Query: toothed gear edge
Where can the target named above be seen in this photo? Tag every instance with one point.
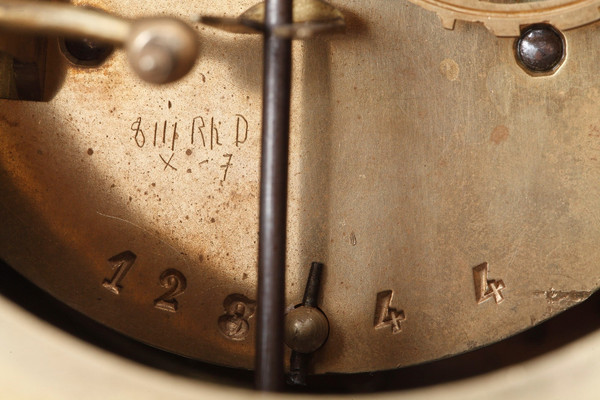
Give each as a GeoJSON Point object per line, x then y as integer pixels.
{"type": "Point", "coordinates": [507, 19]}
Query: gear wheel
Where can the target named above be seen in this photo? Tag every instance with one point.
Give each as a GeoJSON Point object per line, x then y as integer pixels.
{"type": "Point", "coordinates": [504, 19]}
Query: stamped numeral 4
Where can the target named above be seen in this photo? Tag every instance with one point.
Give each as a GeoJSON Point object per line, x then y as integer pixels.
{"type": "Point", "coordinates": [385, 315]}
{"type": "Point", "coordinates": [486, 288]}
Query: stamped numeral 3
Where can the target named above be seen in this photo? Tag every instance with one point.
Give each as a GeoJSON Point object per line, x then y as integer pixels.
{"type": "Point", "coordinates": [234, 323]}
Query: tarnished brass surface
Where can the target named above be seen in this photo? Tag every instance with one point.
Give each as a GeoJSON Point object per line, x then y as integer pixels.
{"type": "Point", "coordinates": [452, 197]}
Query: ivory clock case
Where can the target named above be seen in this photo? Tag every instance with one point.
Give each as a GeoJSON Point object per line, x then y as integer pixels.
{"type": "Point", "coordinates": [46, 363]}
{"type": "Point", "coordinates": [428, 170]}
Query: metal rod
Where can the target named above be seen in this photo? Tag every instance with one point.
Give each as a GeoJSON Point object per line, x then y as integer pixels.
{"type": "Point", "coordinates": [299, 363]}
{"type": "Point", "coordinates": [311, 292]}
{"type": "Point", "coordinates": [273, 199]}
{"type": "Point", "coordinates": [63, 19]}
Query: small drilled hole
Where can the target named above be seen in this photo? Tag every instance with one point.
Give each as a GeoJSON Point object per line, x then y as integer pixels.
{"type": "Point", "coordinates": [85, 52]}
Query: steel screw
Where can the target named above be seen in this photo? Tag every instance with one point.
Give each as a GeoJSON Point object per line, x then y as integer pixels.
{"type": "Point", "coordinates": [540, 49]}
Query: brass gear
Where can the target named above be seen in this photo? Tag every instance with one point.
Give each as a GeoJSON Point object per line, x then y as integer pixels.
{"type": "Point", "coordinates": [504, 19]}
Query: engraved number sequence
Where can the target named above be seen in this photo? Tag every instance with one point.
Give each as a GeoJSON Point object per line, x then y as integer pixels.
{"type": "Point", "coordinates": [171, 279]}
{"type": "Point", "coordinates": [238, 308]}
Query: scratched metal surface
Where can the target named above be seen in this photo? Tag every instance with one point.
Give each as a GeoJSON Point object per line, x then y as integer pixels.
{"type": "Point", "coordinates": [417, 154]}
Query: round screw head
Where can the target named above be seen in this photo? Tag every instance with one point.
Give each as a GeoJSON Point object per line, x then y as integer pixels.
{"type": "Point", "coordinates": [540, 49]}
{"type": "Point", "coordinates": [306, 329]}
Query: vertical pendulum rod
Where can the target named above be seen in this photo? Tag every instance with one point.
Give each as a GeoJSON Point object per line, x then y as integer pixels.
{"type": "Point", "coordinates": [273, 199]}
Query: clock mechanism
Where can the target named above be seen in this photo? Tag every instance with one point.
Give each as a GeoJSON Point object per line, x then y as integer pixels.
{"type": "Point", "coordinates": [305, 189]}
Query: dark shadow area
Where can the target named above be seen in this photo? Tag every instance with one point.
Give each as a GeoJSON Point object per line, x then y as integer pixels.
{"type": "Point", "coordinates": [546, 337]}
{"type": "Point", "coordinates": [31, 67]}
{"type": "Point", "coordinates": [33, 299]}
{"type": "Point", "coordinates": [550, 335]}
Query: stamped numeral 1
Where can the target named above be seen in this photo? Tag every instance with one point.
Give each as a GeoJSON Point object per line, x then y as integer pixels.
{"type": "Point", "coordinates": [486, 288]}
{"type": "Point", "coordinates": [121, 263]}
{"type": "Point", "coordinates": [385, 315]}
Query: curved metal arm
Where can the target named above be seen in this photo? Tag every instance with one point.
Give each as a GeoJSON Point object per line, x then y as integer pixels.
{"type": "Point", "coordinates": [65, 20]}
{"type": "Point", "coordinates": [160, 50]}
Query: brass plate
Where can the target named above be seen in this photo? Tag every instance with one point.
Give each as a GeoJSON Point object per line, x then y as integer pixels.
{"type": "Point", "coordinates": [421, 160]}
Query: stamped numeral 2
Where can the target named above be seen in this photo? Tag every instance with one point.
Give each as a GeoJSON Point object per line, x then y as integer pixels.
{"type": "Point", "coordinates": [176, 283]}
{"type": "Point", "coordinates": [385, 315]}
{"type": "Point", "coordinates": [121, 263]}
{"type": "Point", "coordinates": [486, 288]}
